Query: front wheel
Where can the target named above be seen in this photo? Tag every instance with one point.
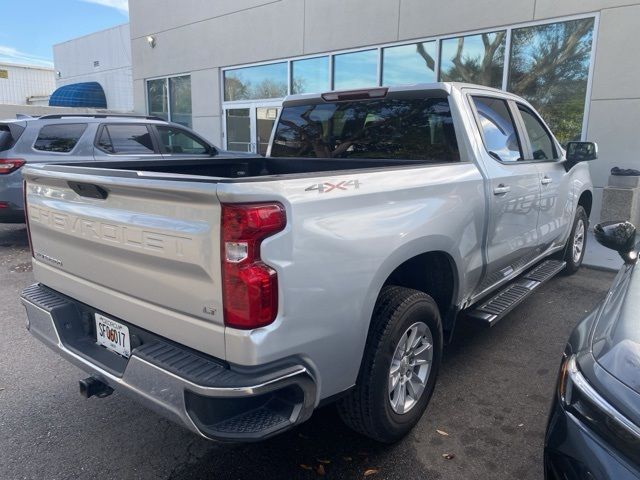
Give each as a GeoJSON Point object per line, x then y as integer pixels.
{"type": "Point", "coordinates": [577, 242]}
{"type": "Point", "coordinates": [399, 368]}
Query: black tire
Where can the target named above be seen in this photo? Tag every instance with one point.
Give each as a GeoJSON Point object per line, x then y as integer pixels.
{"type": "Point", "coordinates": [574, 264]}
{"type": "Point", "coordinates": [367, 409]}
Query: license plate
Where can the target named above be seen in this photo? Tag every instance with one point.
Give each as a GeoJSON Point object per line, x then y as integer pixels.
{"type": "Point", "coordinates": [112, 335]}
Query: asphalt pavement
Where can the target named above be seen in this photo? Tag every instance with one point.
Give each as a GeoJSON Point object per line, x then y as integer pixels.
{"type": "Point", "coordinates": [488, 413]}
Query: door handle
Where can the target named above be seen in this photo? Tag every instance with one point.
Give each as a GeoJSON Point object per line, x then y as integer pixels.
{"type": "Point", "coordinates": [546, 180]}
{"type": "Point", "coordinates": [501, 189]}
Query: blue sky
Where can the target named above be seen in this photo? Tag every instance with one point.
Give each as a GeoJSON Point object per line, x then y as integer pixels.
{"type": "Point", "coordinates": [30, 28]}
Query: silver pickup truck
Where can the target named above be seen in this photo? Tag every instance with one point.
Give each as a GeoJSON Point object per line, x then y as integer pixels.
{"type": "Point", "coordinates": [235, 296]}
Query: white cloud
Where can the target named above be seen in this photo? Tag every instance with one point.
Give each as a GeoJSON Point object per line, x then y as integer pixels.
{"type": "Point", "coordinates": [121, 5]}
{"type": "Point", "coordinates": [13, 55]}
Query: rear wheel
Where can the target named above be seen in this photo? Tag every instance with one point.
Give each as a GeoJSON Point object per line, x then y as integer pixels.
{"type": "Point", "coordinates": [577, 242]}
{"type": "Point", "coordinates": [399, 367]}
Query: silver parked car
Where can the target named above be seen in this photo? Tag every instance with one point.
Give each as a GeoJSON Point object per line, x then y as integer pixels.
{"type": "Point", "coordinates": [74, 137]}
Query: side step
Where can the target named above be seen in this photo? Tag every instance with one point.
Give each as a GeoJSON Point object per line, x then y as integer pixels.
{"type": "Point", "coordinates": [506, 299]}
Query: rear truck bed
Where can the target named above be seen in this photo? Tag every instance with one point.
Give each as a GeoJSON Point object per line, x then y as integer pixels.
{"type": "Point", "coordinates": [142, 248]}
{"type": "Point", "coordinates": [140, 259]}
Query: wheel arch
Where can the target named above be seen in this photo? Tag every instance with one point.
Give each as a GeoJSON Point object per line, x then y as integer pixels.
{"type": "Point", "coordinates": [431, 272]}
{"type": "Point", "coordinates": [434, 271]}
{"type": "Point", "coordinates": [586, 201]}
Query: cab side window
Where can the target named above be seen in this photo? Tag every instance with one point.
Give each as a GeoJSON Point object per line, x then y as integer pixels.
{"type": "Point", "coordinates": [541, 142]}
{"type": "Point", "coordinates": [176, 141]}
{"type": "Point", "coordinates": [498, 129]}
{"type": "Point", "coordinates": [125, 140]}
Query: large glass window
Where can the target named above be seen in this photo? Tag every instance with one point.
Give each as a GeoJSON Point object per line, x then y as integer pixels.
{"type": "Point", "coordinates": [409, 64]}
{"type": "Point", "coordinates": [549, 66]}
{"type": "Point", "coordinates": [157, 98]}
{"type": "Point", "coordinates": [355, 70]}
{"type": "Point", "coordinates": [59, 138]}
{"type": "Point", "coordinates": [249, 83]}
{"type": "Point", "coordinates": [408, 129]}
{"type": "Point", "coordinates": [180, 100]}
{"type": "Point", "coordinates": [170, 99]}
{"type": "Point", "coordinates": [474, 59]}
{"type": "Point", "coordinates": [310, 75]}
{"type": "Point", "coordinates": [498, 130]}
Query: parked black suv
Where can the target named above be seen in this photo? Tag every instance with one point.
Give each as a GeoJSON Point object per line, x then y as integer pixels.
{"type": "Point", "coordinates": [594, 427]}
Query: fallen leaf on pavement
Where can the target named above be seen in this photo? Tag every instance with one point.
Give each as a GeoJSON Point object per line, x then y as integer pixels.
{"type": "Point", "coordinates": [306, 467]}
{"type": "Point", "coordinates": [448, 456]}
{"type": "Point", "coordinates": [371, 471]}
{"type": "Point", "coordinates": [320, 470]}
{"type": "Point", "coordinates": [442, 432]}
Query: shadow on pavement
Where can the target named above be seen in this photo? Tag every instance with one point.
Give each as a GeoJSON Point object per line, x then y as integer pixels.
{"type": "Point", "coordinates": [323, 446]}
{"type": "Point", "coordinates": [13, 236]}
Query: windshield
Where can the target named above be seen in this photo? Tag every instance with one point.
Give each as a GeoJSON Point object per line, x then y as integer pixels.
{"type": "Point", "coordinates": [410, 129]}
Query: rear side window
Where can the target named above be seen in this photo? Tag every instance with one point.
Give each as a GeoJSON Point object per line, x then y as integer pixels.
{"type": "Point", "coordinates": [407, 129]}
{"type": "Point", "coordinates": [60, 138]}
{"type": "Point", "coordinates": [9, 136]}
{"type": "Point", "coordinates": [125, 139]}
{"type": "Point", "coordinates": [177, 141]}
{"type": "Point", "coordinates": [498, 130]}
{"type": "Point", "coordinates": [540, 140]}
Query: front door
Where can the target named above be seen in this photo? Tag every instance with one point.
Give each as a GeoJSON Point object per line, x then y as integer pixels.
{"type": "Point", "coordinates": [248, 127]}
{"type": "Point", "coordinates": [514, 192]}
{"type": "Point", "coordinates": [238, 130]}
{"type": "Point", "coordinates": [556, 204]}
{"type": "Point", "coordinates": [265, 119]}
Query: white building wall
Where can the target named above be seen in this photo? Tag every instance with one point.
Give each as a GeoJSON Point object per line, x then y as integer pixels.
{"type": "Point", "coordinates": [75, 60]}
{"type": "Point", "coordinates": [23, 82]}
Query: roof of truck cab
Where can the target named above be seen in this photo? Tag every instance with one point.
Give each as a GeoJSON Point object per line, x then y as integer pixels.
{"type": "Point", "coordinates": [445, 87]}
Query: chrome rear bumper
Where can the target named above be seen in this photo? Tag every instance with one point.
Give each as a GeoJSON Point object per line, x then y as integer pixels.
{"type": "Point", "coordinates": [202, 394]}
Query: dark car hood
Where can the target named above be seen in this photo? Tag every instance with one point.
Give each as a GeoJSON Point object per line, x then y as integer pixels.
{"type": "Point", "coordinates": [615, 343]}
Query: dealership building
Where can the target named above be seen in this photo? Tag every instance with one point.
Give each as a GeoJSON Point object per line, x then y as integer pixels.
{"type": "Point", "coordinates": [224, 67]}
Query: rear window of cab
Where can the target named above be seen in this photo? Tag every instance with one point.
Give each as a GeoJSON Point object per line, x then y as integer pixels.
{"type": "Point", "coordinates": [389, 128]}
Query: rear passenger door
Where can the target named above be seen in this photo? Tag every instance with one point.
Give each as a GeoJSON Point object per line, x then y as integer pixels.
{"type": "Point", "coordinates": [176, 142]}
{"type": "Point", "coordinates": [125, 141]}
{"type": "Point", "coordinates": [514, 190]}
{"type": "Point", "coordinates": [556, 204]}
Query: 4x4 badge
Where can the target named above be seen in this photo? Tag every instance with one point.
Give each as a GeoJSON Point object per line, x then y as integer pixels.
{"type": "Point", "coordinates": [327, 187]}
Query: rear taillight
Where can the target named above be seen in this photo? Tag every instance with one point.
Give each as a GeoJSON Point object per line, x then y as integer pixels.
{"type": "Point", "coordinates": [250, 287]}
{"type": "Point", "coordinates": [8, 165]}
{"type": "Point", "coordinates": [26, 216]}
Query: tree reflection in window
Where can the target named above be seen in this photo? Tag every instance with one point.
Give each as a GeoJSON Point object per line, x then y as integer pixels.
{"type": "Point", "coordinates": [263, 81]}
{"type": "Point", "coordinates": [549, 66]}
{"type": "Point", "coordinates": [475, 59]}
{"type": "Point", "coordinates": [416, 129]}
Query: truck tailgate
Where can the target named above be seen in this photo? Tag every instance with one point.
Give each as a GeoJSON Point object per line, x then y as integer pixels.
{"type": "Point", "coordinates": [148, 253]}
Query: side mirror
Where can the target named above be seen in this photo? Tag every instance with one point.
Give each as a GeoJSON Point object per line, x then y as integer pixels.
{"type": "Point", "coordinates": [581, 151]}
{"type": "Point", "coordinates": [618, 236]}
